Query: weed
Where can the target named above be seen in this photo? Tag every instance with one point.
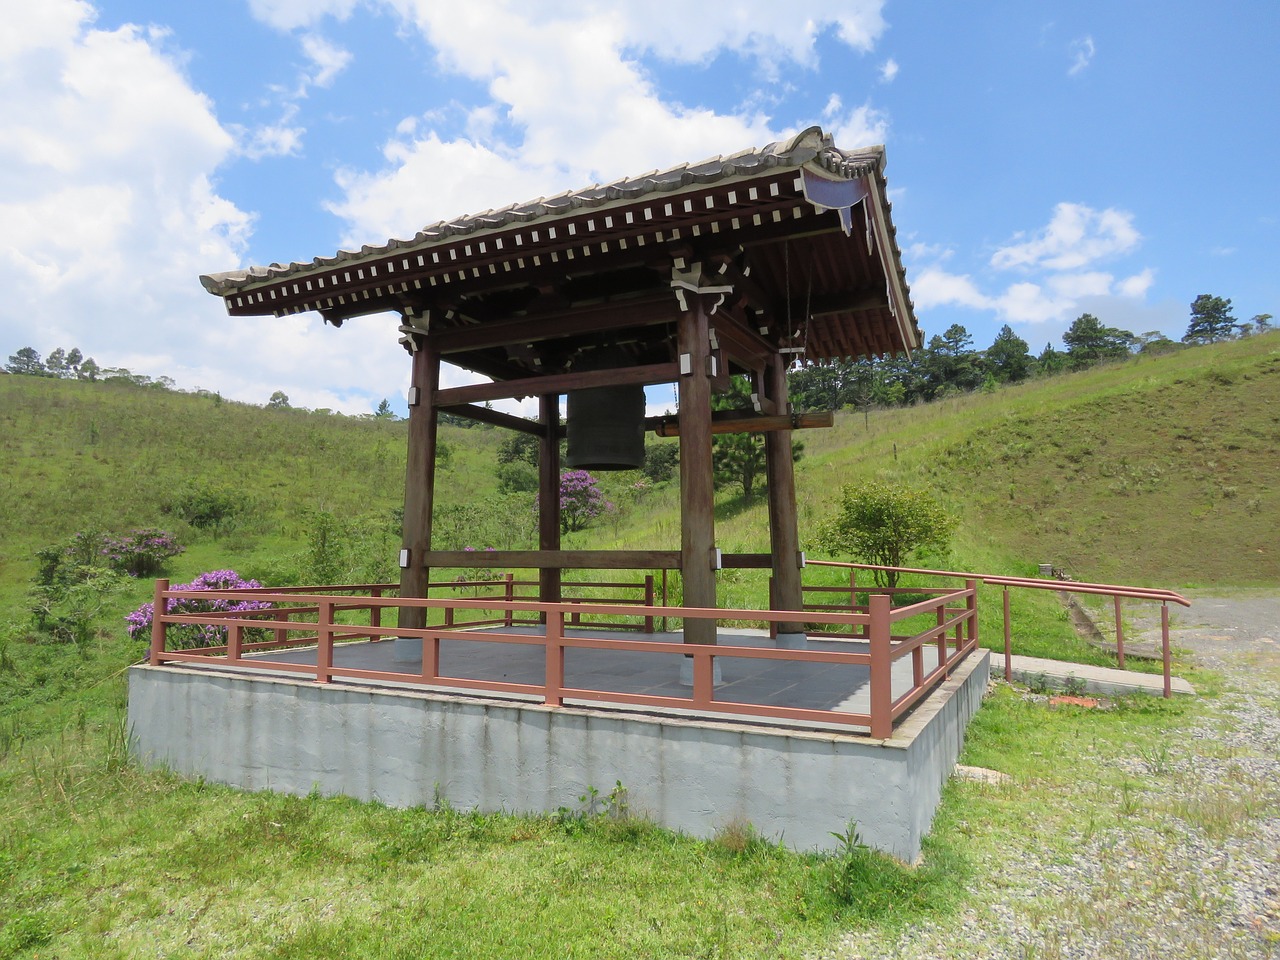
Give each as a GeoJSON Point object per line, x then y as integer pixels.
{"type": "Point", "coordinates": [1038, 683]}
{"type": "Point", "coordinates": [1073, 686]}
{"type": "Point", "coordinates": [1155, 757]}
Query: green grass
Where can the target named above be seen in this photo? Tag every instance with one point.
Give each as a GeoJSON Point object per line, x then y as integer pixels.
{"type": "Point", "coordinates": [99, 858]}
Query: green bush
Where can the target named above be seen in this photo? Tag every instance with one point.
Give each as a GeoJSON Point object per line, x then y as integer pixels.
{"type": "Point", "coordinates": [885, 524]}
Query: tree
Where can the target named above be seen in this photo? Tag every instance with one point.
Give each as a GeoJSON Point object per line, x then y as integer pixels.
{"type": "Point", "coordinates": [581, 500]}
{"type": "Point", "coordinates": [56, 363]}
{"type": "Point", "coordinates": [89, 370]}
{"type": "Point", "coordinates": [1050, 361]}
{"type": "Point", "coordinates": [1089, 342]}
{"type": "Point", "coordinates": [384, 411]}
{"type": "Point", "coordinates": [884, 524]}
{"type": "Point", "coordinates": [26, 361]}
{"type": "Point", "coordinates": [1261, 322]}
{"type": "Point", "coordinates": [1009, 357]}
{"type": "Point", "coordinates": [1211, 320]}
{"type": "Point", "coordinates": [279, 401]}
{"type": "Point", "coordinates": [74, 359]}
{"type": "Point", "coordinates": [738, 458]}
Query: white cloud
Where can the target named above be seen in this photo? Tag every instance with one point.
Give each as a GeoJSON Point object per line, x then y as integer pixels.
{"type": "Point", "coordinates": [589, 112]}
{"type": "Point", "coordinates": [1137, 285]}
{"type": "Point", "coordinates": [1076, 285]}
{"type": "Point", "coordinates": [328, 59]}
{"type": "Point", "coordinates": [291, 14]}
{"type": "Point", "coordinates": [888, 70]}
{"type": "Point", "coordinates": [1076, 237]}
{"type": "Point", "coordinates": [1082, 51]}
{"type": "Point", "coordinates": [109, 159]}
{"type": "Point", "coordinates": [933, 287]}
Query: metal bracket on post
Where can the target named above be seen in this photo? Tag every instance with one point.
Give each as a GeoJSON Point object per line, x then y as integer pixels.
{"type": "Point", "coordinates": [717, 559]}
{"type": "Point", "coordinates": [404, 559]}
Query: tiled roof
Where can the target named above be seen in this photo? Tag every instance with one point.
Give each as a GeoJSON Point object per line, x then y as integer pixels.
{"type": "Point", "coordinates": [812, 146]}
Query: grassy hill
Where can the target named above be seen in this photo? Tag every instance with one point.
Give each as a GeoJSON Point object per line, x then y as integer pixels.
{"type": "Point", "coordinates": [1156, 471]}
{"type": "Point", "coordinates": [1153, 471]}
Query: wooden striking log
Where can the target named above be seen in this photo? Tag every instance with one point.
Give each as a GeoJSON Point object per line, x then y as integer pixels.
{"type": "Point", "coordinates": [735, 421]}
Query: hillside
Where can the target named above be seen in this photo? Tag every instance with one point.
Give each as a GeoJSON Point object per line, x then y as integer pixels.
{"type": "Point", "coordinates": [1156, 470]}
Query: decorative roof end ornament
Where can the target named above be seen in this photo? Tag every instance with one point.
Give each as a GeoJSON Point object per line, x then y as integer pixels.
{"type": "Point", "coordinates": [839, 195]}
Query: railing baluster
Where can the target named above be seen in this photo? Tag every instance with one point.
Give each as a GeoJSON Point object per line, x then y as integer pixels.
{"type": "Point", "coordinates": [1008, 642]}
{"type": "Point", "coordinates": [554, 645]}
{"type": "Point", "coordinates": [324, 641]}
{"type": "Point", "coordinates": [881, 667]}
{"type": "Point", "coordinates": [1119, 634]}
{"type": "Point", "coordinates": [158, 625]}
{"type": "Point", "coordinates": [1164, 642]}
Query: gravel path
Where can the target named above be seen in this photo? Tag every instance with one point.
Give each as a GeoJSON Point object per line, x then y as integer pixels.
{"type": "Point", "coordinates": [1197, 876]}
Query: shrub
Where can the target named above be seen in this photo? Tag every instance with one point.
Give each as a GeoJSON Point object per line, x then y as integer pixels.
{"type": "Point", "coordinates": [581, 500]}
{"type": "Point", "coordinates": [207, 506]}
{"type": "Point", "coordinates": [884, 524]}
{"type": "Point", "coordinates": [189, 636]}
{"type": "Point", "coordinates": [140, 553]}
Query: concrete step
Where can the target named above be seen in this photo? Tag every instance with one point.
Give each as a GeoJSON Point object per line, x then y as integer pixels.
{"type": "Point", "coordinates": [1105, 680]}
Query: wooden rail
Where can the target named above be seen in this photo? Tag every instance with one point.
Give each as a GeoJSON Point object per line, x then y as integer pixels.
{"type": "Point", "coordinates": [298, 616]}
{"type": "Point", "coordinates": [1116, 592]}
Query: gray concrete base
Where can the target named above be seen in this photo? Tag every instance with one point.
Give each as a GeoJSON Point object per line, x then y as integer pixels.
{"type": "Point", "coordinates": [1059, 674]}
{"type": "Point", "coordinates": [406, 747]}
{"type": "Point", "coordinates": [686, 672]}
{"type": "Point", "coordinates": [792, 641]}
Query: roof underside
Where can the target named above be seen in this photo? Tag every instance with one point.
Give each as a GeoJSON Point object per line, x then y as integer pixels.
{"type": "Point", "coordinates": [793, 240]}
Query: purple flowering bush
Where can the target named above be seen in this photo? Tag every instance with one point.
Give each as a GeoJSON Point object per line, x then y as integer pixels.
{"type": "Point", "coordinates": [581, 500]}
{"type": "Point", "coordinates": [189, 636]}
{"type": "Point", "coordinates": [140, 553]}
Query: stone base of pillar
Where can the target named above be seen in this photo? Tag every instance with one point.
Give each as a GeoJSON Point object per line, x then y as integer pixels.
{"type": "Point", "coordinates": [792, 641]}
{"type": "Point", "coordinates": [686, 673]}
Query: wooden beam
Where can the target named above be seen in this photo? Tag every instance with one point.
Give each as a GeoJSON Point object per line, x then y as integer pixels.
{"type": "Point", "coordinates": [736, 421]}
{"type": "Point", "coordinates": [697, 492]}
{"type": "Point", "coordinates": [419, 485]}
{"type": "Point", "coordinates": [559, 559]}
{"type": "Point", "coordinates": [495, 417]}
{"type": "Point", "coordinates": [784, 521]}
{"type": "Point", "coordinates": [549, 494]}
{"type": "Point", "coordinates": [557, 383]}
{"type": "Point", "coordinates": [559, 322]}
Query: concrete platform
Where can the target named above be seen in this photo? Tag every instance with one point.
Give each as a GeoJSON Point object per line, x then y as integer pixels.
{"type": "Point", "coordinates": [1104, 680]}
{"type": "Point", "coordinates": [403, 745]}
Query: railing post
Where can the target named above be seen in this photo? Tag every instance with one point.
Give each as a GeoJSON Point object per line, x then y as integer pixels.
{"type": "Point", "coordinates": [510, 596]}
{"type": "Point", "coordinates": [1119, 634]}
{"type": "Point", "coordinates": [1008, 643]}
{"type": "Point", "coordinates": [773, 605]}
{"type": "Point", "coordinates": [554, 696]}
{"type": "Point", "coordinates": [158, 626]}
{"type": "Point", "coordinates": [324, 641]}
{"type": "Point", "coordinates": [281, 634]}
{"type": "Point", "coordinates": [703, 675]}
{"type": "Point", "coordinates": [1164, 641]}
{"type": "Point", "coordinates": [375, 614]}
{"type": "Point", "coordinates": [648, 602]}
{"type": "Point", "coordinates": [971, 604]}
{"type": "Point", "coordinates": [879, 606]}
{"type": "Point", "coordinates": [235, 642]}
{"type": "Point", "coordinates": [664, 599]}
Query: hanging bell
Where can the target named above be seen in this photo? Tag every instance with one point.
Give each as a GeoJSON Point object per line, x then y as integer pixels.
{"type": "Point", "coordinates": [606, 428]}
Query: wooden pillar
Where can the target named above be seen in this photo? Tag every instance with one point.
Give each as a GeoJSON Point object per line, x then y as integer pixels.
{"type": "Point", "coordinates": [784, 526]}
{"type": "Point", "coordinates": [697, 493]}
{"type": "Point", "coordinates": [549, 493]}
{"type": "Point", "coordinates": [419, 480]}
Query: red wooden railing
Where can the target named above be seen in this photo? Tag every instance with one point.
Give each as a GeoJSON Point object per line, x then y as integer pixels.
{"type": "Point", "coordinates": [312, 616]}
{"type": "Point", "coordinates": [1116, 592]}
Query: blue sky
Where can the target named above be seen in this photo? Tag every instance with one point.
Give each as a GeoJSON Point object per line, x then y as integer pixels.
{"type": "Point", "coordinates": [1045, 159]}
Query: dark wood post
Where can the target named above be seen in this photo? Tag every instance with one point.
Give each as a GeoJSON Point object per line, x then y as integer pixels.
{"type": "Point", "coordinates": [419, 480]}
{"type": "Point", "coordinates": [697, 493]}
{"type": "Point", "coordinates": [784, 527]}
{"type": "Point", "coordinates": [549, 494]}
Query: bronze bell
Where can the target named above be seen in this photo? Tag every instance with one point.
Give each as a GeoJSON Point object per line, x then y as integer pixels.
{"type": "Point", "coordinates": [606, 428]}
